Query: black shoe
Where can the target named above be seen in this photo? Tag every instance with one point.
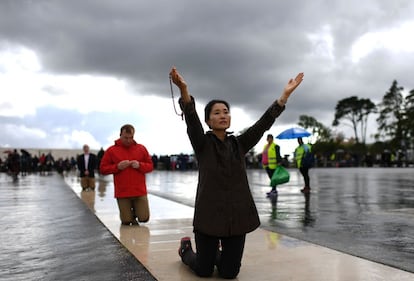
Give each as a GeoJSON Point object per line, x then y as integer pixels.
{"type": "Point", "coordinates": [184, 246]}
{"type": "Point", "coordinates": [218, 255]}
{"type": "Point", "coordinates": [306, 189]}
{"type": "Point", "coordinates": [272, 193]}
{"type": "Point", "coordinates": [134, 222]}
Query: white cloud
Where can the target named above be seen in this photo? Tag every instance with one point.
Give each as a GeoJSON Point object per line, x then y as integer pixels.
{"type": "Point", "coordinates": [395, 40]}
{"type": "Point", "coordinates": [79, 138]}
{"type": "Point", "coordinates": [12, 132]}
{"type": "Point", "coordinates": [17, 60]}
{"type": "Point", "coordinates": [322, 43]}
{"type": "Point", "coordinates": [25, 88]}
{"type": "Point", "coordinates": [87, 93]}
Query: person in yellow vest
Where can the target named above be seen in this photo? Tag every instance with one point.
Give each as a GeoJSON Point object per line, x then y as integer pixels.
{"type": "Point", "coordinates": [270, 158]}
{"type": "Point", "coordinates": [304, 169]}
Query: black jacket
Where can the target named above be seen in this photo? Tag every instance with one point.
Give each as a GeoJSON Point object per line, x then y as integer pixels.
{"type": "Point", "coordinates": [92, 165]}
{"type": "Point", "coordinates": [224, 205]}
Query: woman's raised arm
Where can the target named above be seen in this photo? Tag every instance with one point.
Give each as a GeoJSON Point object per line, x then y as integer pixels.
{"type": "Point", "coordinates": [289, 88]}
{"type": "Point", "coordinates": [178, 80]}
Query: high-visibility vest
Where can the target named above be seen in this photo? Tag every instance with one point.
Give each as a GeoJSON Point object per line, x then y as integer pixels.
{"type": "Point", "coordinates": [269, 156]}
{"type": "Point", "coordinates": [300, 151]}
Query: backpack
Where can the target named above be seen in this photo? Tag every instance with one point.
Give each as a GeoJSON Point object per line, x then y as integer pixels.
{"type": "Point", "coordinates": [308, 159]}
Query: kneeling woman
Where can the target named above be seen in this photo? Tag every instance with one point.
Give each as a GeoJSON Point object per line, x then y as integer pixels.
{"type": "Point", "coordinates": [224, 207]}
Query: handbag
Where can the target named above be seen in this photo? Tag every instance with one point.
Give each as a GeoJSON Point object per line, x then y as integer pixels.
{"type": "Point", "coordinates": [280, 175]}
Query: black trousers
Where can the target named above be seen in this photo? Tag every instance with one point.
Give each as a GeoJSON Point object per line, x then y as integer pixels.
{"type": "Point", "coordinates": [228, 260]}
{"type": "Point", "coordinates": [305, 173]}
{"type": "Point", "coordinates": [270, 174]}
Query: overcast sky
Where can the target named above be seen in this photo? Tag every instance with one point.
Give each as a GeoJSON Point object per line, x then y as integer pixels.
{"type": "Point", "coordinates": [73, 72]}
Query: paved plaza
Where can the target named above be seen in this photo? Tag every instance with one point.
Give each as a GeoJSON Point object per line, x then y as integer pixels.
{"type": "Point", "coordinates": [366, 212]}
{"type": "Point", "coordinates": [357, 224]}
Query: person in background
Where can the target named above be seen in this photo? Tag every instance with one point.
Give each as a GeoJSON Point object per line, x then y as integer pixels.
{"type": "Point", "coordinates": [100, 154]}
{"type": "Point", "coordinates": [270, 159]}
{"type": "Point", "coordinates": [304, 169]}
{"type": "Point", "coordinates": [129, 161]}
{"type": "Point", "coordinates": [14, 164]}
{"type": "Point", "coordinates": [87, 163]}
{"type": "Point", "coordinates": [42, 164]}
{"type": "Point", "coordinates": [224, 208]}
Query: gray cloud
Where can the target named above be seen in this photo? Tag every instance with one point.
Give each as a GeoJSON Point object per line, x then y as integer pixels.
{"type": "Point", "coordinates": [242, 51]}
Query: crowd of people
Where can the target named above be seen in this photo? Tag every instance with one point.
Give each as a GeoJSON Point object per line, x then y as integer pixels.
{"type": "Point", "coordinates": [22, 162]}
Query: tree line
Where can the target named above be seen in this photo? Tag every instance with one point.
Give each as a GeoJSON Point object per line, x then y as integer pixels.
{"type": "Point", "coordinates": [395, 127]}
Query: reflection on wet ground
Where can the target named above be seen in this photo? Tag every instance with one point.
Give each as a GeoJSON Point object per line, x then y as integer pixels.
{"type": "Point", "coordinates": [363, 212]}
{"type": "Point", "coordinates": [47, 233]}
{"type": "Point", "coordinates": [366, 212]}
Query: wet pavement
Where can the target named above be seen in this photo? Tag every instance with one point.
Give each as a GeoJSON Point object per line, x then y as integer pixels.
{"type": "Point", "coordinates": [48, 234]}
{"type": "Point", "coordinates": [365, 212]}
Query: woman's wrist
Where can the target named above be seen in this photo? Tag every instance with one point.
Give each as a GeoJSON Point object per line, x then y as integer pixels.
{"type": "Point", "coordinates": [283, 98]}
{"type": "Point", "coordinates": [282, 101]}
{"type": "Point", "coordinates": [185, 96]}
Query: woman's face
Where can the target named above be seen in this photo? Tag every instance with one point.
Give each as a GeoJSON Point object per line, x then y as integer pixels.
{"type": "Point", "coordinates": [219, 118]}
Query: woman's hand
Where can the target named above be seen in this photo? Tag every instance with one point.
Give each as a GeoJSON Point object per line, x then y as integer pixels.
{"type": "Point", "coordinates": [181, 84]}
{"type": "Point", "coordinates": [290, 87]}
{"type": "Point", "coordinates": [177, 78]}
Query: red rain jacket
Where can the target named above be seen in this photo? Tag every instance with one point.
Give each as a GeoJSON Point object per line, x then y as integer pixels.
{"type": "Point", "coordinates": [129, 182]}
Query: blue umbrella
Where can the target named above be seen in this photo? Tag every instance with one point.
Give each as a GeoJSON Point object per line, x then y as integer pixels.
{"type": "Point", "coordinates": [293, 133]}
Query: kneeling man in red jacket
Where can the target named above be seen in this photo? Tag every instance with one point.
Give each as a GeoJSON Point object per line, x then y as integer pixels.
{"type": "Point", "coordinates": [129, 161]}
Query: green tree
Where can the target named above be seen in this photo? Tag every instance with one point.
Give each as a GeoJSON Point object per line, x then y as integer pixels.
{"type": "Point", "coordinates": [367, 107]}
{"type": "Point", "coordinates": [355, 112]}
{"type": "Point", "coordinates": [321, 132]}
{"type": "Point", "coordinates": [392, 123]}
{"type": "Point", "coordinates": [409, 114]}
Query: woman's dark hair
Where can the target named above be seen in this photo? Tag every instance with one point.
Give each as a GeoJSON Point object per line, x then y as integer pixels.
{"type": "Point", "coordinates": [209, 106]}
